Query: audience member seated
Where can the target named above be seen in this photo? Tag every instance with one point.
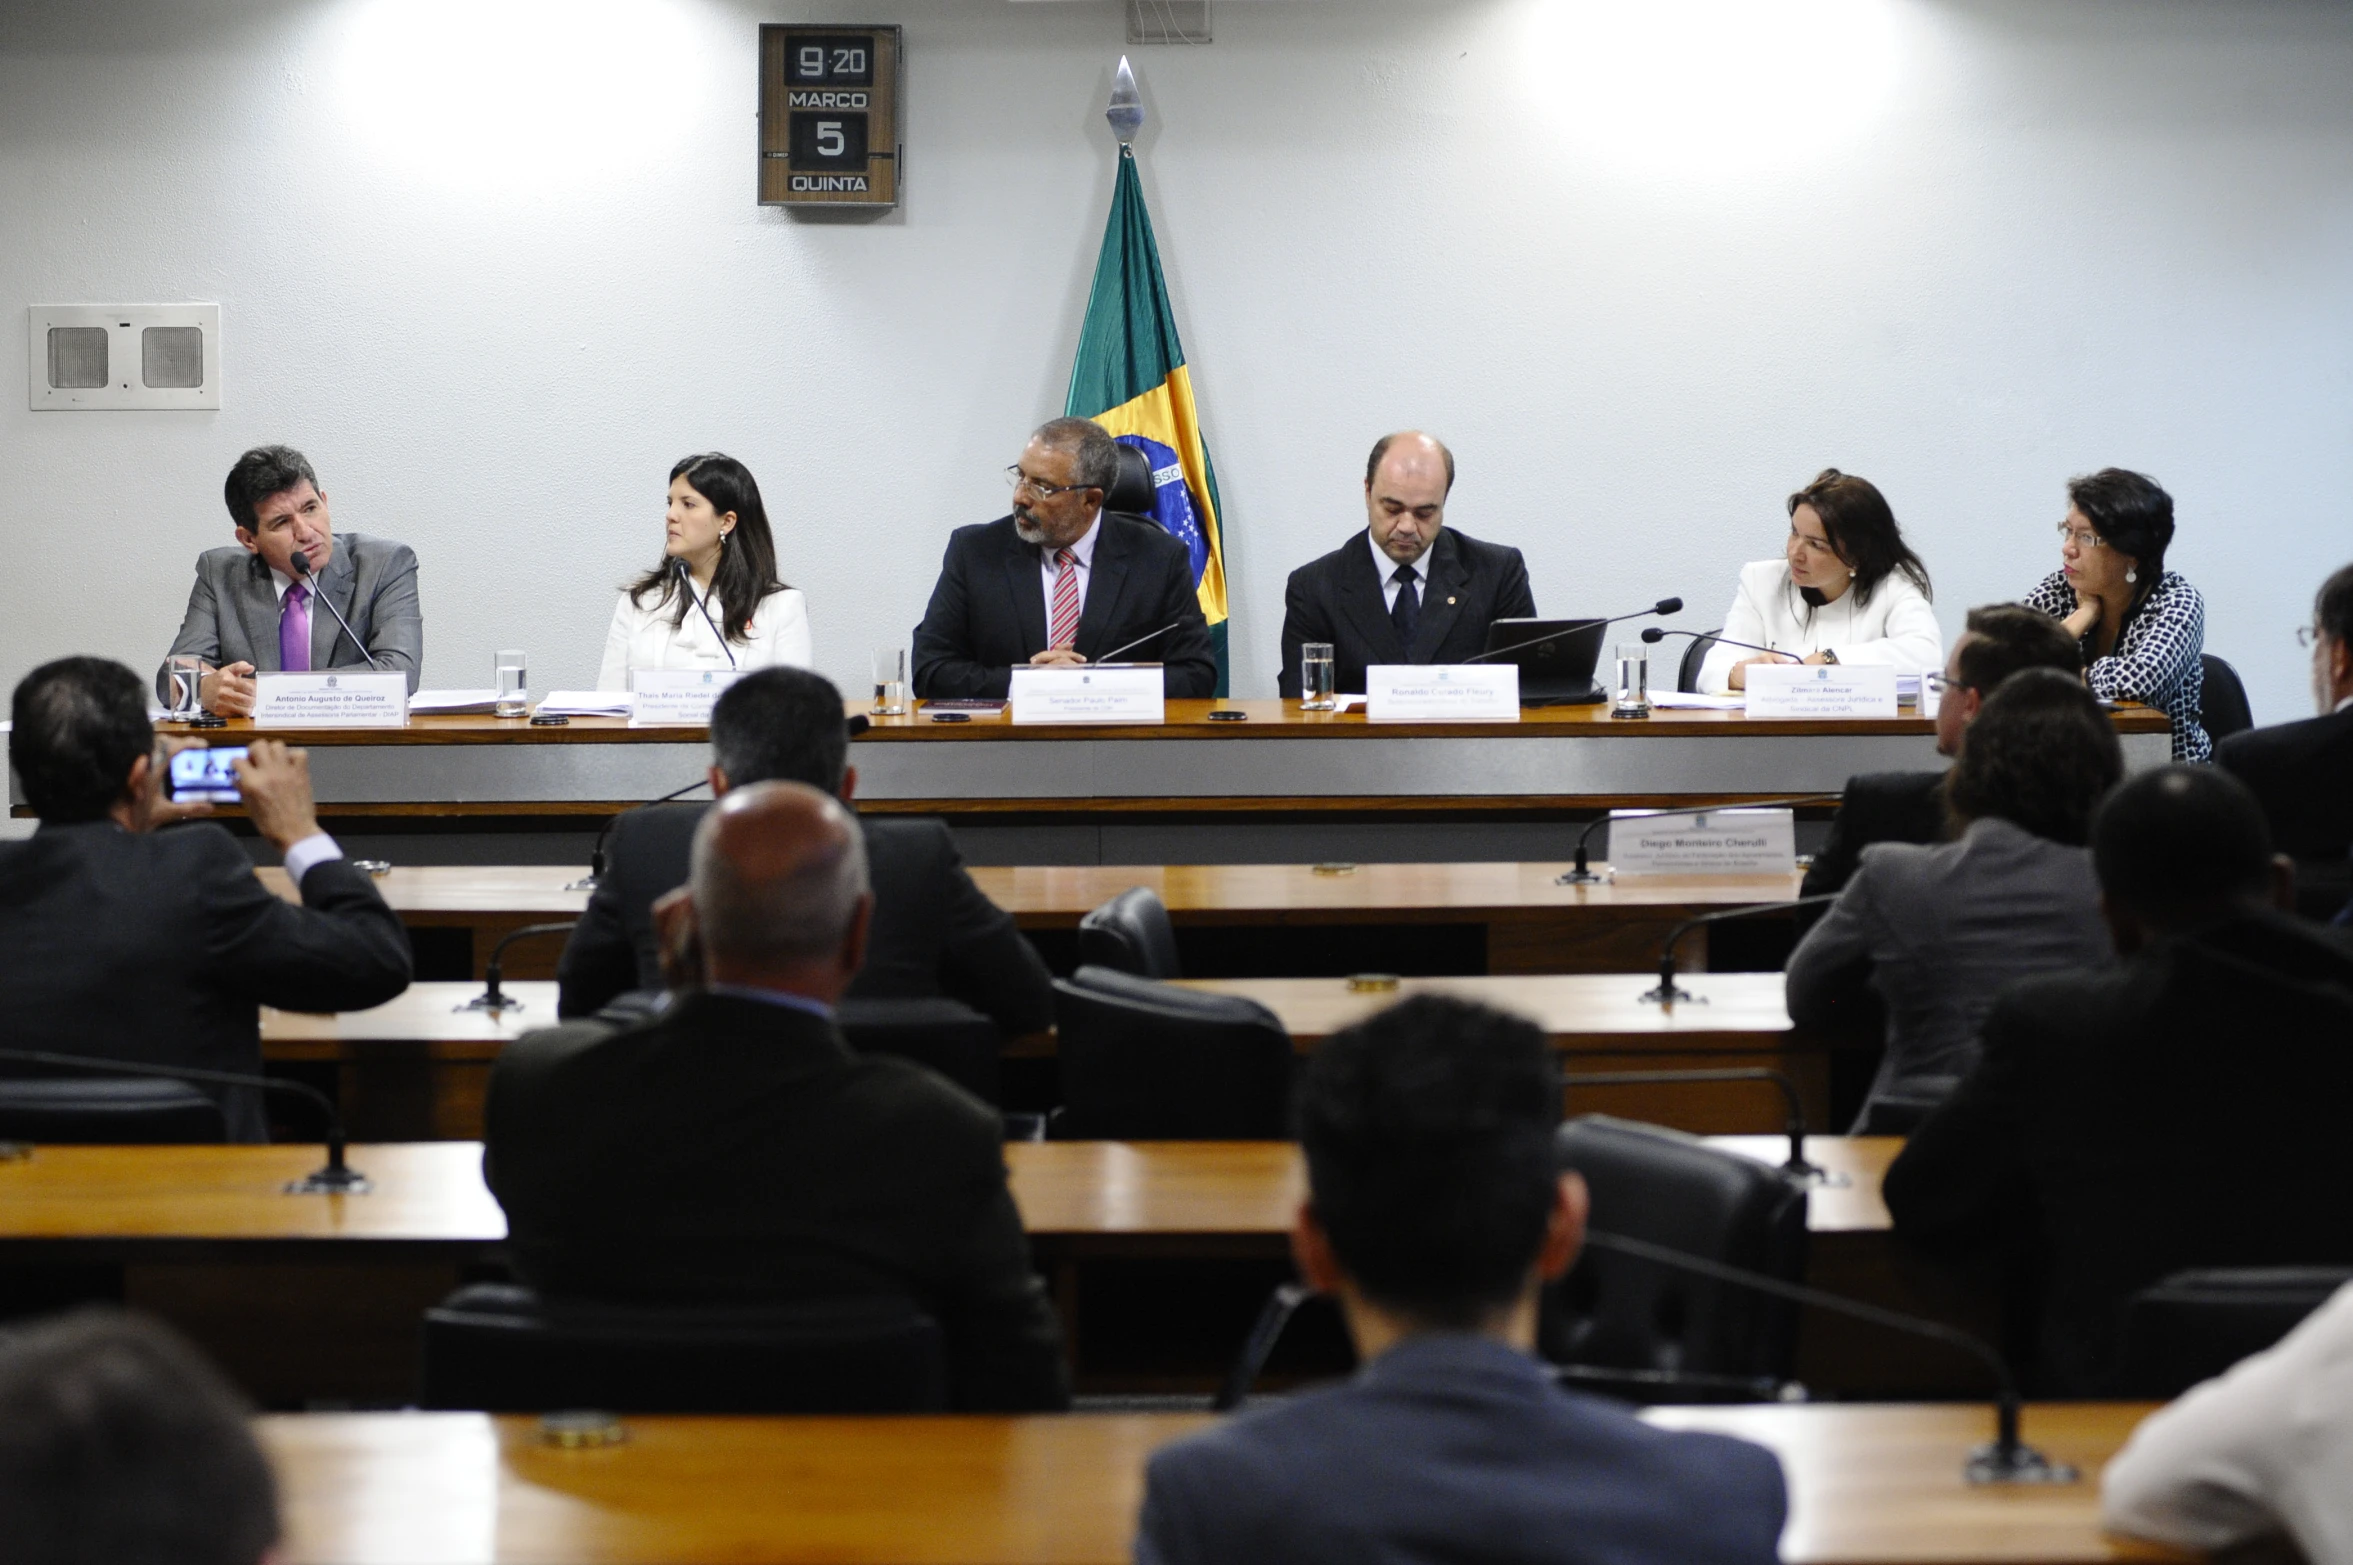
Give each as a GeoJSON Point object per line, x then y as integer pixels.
{"type": "Point", "coordinates": [1935, 932]}
{"type": "Point", "coordinates": [734, 1149]}
{"type": "Point", "coordinates": [125, 942]}
{"type": "Point", "coordinates": [2001, 639]}
{"type": "Point", "coordinates": [2258, 1455]}
{"type": "Point", "coordinates": [2182, 1108]}
{"type": "Point", "coordinates": [119, 1444]}
{"type": "Point", "coordinates": [1435, 1214]}
{"type": "Point", "coordinates": [2302, 773]}
{"type": "Point", "coordinates": [934, 931]}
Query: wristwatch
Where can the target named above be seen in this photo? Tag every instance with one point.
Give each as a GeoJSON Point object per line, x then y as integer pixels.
{"type": "Point", "coordinates": [1829, 656]}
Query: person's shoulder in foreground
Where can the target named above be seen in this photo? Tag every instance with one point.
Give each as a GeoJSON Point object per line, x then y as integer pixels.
{"type": "Point", "coordinates": [2260, 1453]}
{"type": "Point", "coordinates": [1435, 1215]}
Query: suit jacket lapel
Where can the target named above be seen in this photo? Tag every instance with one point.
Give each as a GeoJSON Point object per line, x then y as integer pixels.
{"type": "Point", "coordinates": [336, 583]}
{"type": "Point", "coordinates": [1360, 600]}
{"type": "Point", "coordinates": [1027, 586]}
{"type": "Point", "coordinates": [1099, 621]}
{"type": "Point", "coordinates": [257, 610]}
{"type": "Point", "coordinates": [1444, 582]}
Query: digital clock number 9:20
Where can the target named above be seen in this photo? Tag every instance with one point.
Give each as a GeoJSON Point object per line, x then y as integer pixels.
{"type": "Point", "coordinates": [845, 64]}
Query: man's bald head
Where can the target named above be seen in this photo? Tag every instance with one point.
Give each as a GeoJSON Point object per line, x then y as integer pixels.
{"type": "Point", "coordinates": [778, 879]}
{"type": "Point", "coordinates": [1406, 482]}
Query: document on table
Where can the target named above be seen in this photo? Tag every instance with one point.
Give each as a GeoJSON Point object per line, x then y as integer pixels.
{"type": "Point", "coordinates": [586, 703]}
{"type": "Point", "coordinates": [453, 701]}
{"type": "Point", "coordinates": [1691, 698]}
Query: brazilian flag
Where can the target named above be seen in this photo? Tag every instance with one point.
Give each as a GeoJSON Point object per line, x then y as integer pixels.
{"type": "Point", "coordinates": [1131, 378]}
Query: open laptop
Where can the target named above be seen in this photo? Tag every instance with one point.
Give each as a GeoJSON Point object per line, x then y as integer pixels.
{"type": "Point", "coordinates": [1555, 657]}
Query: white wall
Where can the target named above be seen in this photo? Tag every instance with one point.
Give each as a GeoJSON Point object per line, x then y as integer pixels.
{"type": "Point", "coordinates": [495, 264]}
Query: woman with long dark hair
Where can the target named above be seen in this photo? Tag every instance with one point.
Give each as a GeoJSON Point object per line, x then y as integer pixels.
{"type": "Point", "coordinates": [1847, 589]}
{"type": "Point", "coordinates": [714, 601]}
{"type": "Point", "coordinates": [2142, 627]}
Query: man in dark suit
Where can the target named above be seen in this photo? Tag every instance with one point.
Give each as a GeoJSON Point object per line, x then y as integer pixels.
{"type": "Point", "coordinates": [1061, 582]}
{"type": "Point", "coordinates": [1435, 1213]}
{"type": "Point", "coordinates": [934, 932]}
{"type": "Point", "coordinates": [2001, 639]}
{"type": "Point", "coordinates": [2302, 773]}
{"type": "Point", "coordinates": [1408, 589]}
{"type": "Point", "coordinates": [124, 942]}
{"type": "Point", "coordinates": [2183, 1108]}
{"type": "Point", "coordinates": [735, 1149]}
{"type": "Point", "coordinates": [253, 609]}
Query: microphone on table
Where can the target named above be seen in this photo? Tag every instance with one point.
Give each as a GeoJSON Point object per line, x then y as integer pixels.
{"type": "Point", "coordinates": [1797, 1168]}
{"type": "Point", "coordinates": [492, 998]}
{"type": "Point", "coordinates": [1658, 633]}
{"type": "Point", "coordinates": [336, 1178]}
{"type": "Point", "coordinates": [1667, 993]}
{"type": "Point", "coordinates": [300, 564]}
{"type": "Point", "coordinates": [1140, 640]}
{"type": "Point", "coordinates": [686, 580]}
{"type": "Point", "coordinates": [1582, 874]}
{"type": "Point", "coordinates": [596, 856]}
{"type": "Point", "coordinates": [1663, 606]}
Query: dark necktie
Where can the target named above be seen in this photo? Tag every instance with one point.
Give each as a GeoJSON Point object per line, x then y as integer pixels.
{"type": "Point", "coordinates": [1406, 612]}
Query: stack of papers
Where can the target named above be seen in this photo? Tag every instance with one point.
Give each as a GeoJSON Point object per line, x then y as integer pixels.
{"type": "Point", "coordinates": [453, 701]}
{"type": "Point", "coordinates": [582, 703]}
{"type": "Point", "coordinates": [1689, 698]}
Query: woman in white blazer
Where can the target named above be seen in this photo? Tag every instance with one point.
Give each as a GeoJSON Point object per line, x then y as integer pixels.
{"type": "Point", "coordinates": [714, 600]}
{"type": "Point", "coordinates": [1847, 589]}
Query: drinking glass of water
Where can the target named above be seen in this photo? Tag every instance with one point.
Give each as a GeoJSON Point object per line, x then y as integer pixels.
{"type": "Point", "coordinates": [1315, 677]}
{"type": "Point", "coordinates": [890, 682]}
{"type": "Point", "coordinates": [185, 679]}
{"type": "Point", "coordinates": [1633, 690]}
{"type": "Point", "coordinates": [514, 686]}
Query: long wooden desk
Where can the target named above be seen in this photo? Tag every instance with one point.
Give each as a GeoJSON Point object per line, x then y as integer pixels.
{"type": "Point", "coordinates": [1867, 1485]}
{"type": "Point", "coordinates": [1200, 782]}
{"type": "Point", "coordinates": [418, 1065]}
{"type": "Point", "coordinates": [1532, 923]}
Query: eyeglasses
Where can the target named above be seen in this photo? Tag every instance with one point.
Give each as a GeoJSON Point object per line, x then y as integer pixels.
{"type": "Point", "coordinates": [2083, 537]}
{"type": "Point", "coordinates": [1940, 685]}
{"type": "Point", "coordinates": [2308, 635]}
{"type": "Point", "coordinates": [1018, 480]}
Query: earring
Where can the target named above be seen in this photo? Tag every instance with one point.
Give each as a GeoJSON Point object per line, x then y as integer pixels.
{"type": "Point", "coordinates": [2131, 575]}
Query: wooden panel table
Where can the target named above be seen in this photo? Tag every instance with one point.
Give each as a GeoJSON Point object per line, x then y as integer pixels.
{"type": "Point", "coordinates": [1867, 1485]}
{"type": "Point", "coordinates": [1200, 787]}
{"type": "Point", "coordinates": [418, 1065]}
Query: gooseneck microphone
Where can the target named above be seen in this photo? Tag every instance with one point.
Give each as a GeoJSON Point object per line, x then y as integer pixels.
{"type": "Point", "coordinates": [1667, 993]}
{"type": "Point", "coordinates": [1582, 874]}
{"type": "Point", "coordinates": [1663, 606]}
{"type": "Point", "coordinates": [596, 857]}
{"type": "Point", "coordinates": [686, 581]}
{"type": "Point", "coordinates": [337, 1178]}
{"type": "Point", "coordinates": [301, 564]}
{"type": "Point", "coordinates": [1658, 633]}
{"type": "Point", "coordinates": [493, 998]}
{"type": "Point", "coordinates": [1140, 640]}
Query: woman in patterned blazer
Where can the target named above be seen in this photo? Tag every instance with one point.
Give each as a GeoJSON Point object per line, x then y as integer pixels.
{"type": "Point", "coordinates": [2142, 627]}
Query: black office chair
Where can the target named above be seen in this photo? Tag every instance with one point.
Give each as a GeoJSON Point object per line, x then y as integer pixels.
{"type": "Point", "coordinates": [494, 1347]}
{"type": "Point", "coordinates": [947, 1035]}
{"type": "Point", "coordinates": [1132, 490]}
{"type": "Point", "coordinates": [107, 1110]}
{"type": "Point", "coordinates": [1640, 1329]}
{"type": "Point", "coordinates": [1130, 934]}
{"type": "Point", "coordinates": [1687, 672]}
{"type": "Point", "coordinates": [2195, 1324]}
{"type": "Point", "coordinates": [1142, 1061]}
{"type": "Point", "coordinates": [2224, 710]}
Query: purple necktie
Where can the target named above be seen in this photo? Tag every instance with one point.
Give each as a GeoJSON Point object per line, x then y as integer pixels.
{"type": "Point", "coordinates": [294, 630]}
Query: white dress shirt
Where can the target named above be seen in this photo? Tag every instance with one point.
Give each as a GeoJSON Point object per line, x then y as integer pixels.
{"type": "Point", "coordinates": [1048, 569]}
{"type": "Point", "coordinates": [1386, 569]}
{"type": "Point", "coordinates": [643, 637]}
{"type": "Point", "coordinates": [2266, 1449]}
{"type": "Point", "coordinates": [1896, 626]}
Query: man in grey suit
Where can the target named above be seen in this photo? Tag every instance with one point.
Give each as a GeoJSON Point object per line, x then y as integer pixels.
{"type": "Point", "coordinates": [1436, 1213]}
{"type": "Point", "coordinates": [253, 609]}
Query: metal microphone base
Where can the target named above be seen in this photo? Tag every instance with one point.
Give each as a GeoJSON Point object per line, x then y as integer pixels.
{"type": "Point", "coordinates": [1669, 993]}
{"type": "Point", "coordinates": [487, 1001]}
{"type": "Point", "coordinates": [2020, 1463]}
{"type": "Point", "coordinates": [1580, 877]}
{"type": "Point", "coordinates": [584, 883]}
{"type": "Point", "coordinates": [1813, 1176]}
{"type": "Point", "coordinates": [331, 1181]}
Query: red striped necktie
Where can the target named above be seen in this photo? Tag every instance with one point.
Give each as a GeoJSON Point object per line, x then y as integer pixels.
{"type": "Point", "coordinates": [1064, 629]}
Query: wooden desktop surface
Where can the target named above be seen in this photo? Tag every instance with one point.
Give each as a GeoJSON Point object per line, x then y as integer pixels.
{"type": "Point", "coordinates": [1069, 1192]}
{"type": "Point", "coordinates": [1867, 1484]}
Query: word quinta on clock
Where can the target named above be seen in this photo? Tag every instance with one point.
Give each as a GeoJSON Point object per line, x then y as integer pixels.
{"type": "Point", "coordinates": [829, 116]}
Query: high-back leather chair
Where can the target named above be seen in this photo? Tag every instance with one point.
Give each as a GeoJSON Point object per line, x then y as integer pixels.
{"type": "Point", "coordinates": [1694, 654]}
{"type": "Point", "coordinates": [2223, 701]}
{"type": "Point", "coordinates": [494, 1347]}
{"type": "Point", "coordinates": [1142, 1061]}
{"type": "Point", "coordinates": [1683, 1337]}
{"type": "Point", "coordinates": [1130, 934]}
{"type": "Point", "coordinates": [1131, 491]}
{"type": "Point", "coordinates": [108, 1110]}
{"type": "Point", "coordinates": [947, 1035]}
{"type": "Point", "coordinates": [2195, 1324]}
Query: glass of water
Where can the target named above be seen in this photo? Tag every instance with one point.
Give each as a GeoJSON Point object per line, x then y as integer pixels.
{"type": "Point", "coordinates": [1315, 677]}
{"type": "Point", "coordinates": [184, 677]}
{"type": "Point", "coordinates": [890, 682]}
{"type": "Point", "coordinates": [1633, 687]}
{"type": "Point", "coordinates": [514, 686]}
